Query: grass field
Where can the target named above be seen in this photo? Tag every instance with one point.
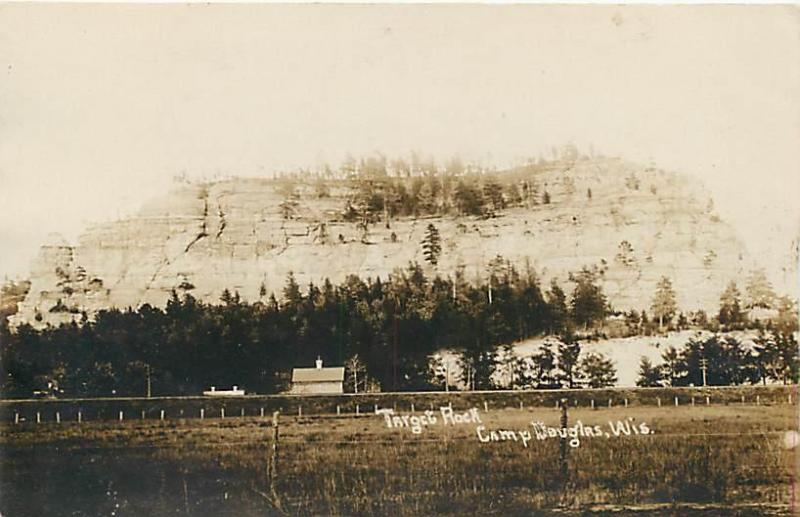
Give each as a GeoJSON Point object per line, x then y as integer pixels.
{"type": "Point", "coordinates": [702, 460]}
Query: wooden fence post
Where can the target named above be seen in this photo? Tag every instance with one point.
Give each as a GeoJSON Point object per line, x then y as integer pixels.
{"type": "Point", "coordinates": [242, 412]}
{"type": "Point", "coordinates": [609, 402]}
{"type": "Point", "coordinates": [262, 412]}
{"type": "Point", "coordinates": [222, 413]}
{"type": "Point", "coordinates": [758, 400]}
{"type": "Point", "coordinates": [121, 416]}
{"type": "Point", "coordinates": [563, 445]}
{"type": "Point", "coordinates": [38, 418]}
{"type": "Point", "coordinates": [80, 419]}
{"type": "Point", "coordinates": [16, 417]}
{"type": "Point", "coordinates": [626, 402]}
{"type": "Point", "coordinates": [357, 409]}
{"type": "Point", "coordinates": [412, 407]}
{"type": "Point", "coordinates": [143, 414]}
{"type": "Point", "coordinates": [273, 464]}
{"type": "Point", "coordinates": [161, 416]}
{"type": "Point", "coordinates": [708, 400]}
{"type": "Point", "coordinates": [299, 410]}
{"type": "Point", "coordinates": [338, 410]}
{"type": "Point", "coordinates": [592, 403]}
{"type": "Point", "coordinates": [485, 406]}
{"type": "Point", "coordinates": [58, 417]}
{"type": "Point", "coordinates": [676, 401]}
{"type": "Point", "coordinates": [658, 401]}
{"type": "Point", "coordinates": [202, 413]}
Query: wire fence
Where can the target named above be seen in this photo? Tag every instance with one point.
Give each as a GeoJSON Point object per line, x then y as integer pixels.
{"type": "Point", "coordinates": [163, 408]}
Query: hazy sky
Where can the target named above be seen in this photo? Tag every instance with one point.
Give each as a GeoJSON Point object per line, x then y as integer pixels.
{"type": "Point", "coordinates": [102, 105]}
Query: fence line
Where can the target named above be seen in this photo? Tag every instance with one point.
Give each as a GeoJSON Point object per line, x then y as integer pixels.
{"type": "Point", "coordinates": [105, 415]}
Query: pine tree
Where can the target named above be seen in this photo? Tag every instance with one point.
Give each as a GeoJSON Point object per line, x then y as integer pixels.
{"type": "Point", "coordinates": [568, 352]}
{"type": "Point", "coordinates": [557, 307]}
{"type": "Point", "coordinates": [589, 304]}
{"type": "Point", "coordinates": [664, 305]}
{"type": "Point", "coordinates": [759, 291]}
{"type": "Point", "coordinates": [432, 245]}
{"type": "Point", "coordinates": [649, 375]}
{"type": "Point", "coordinates": [730, 306]}
{"type": "Point", "coordinates": [544, 362]}
{"type": "Point", "coordinates": [493, 194]}
{"type": "Point", "coordinates": [599, 370]}
{"type": "Point", "coordinates": [468, 199]}
{"type": "Point", "coordinates": [672, 368]}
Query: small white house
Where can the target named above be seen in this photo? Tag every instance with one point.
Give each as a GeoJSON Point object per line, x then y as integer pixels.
{"type": "Point", "coordinates": [318, 380]}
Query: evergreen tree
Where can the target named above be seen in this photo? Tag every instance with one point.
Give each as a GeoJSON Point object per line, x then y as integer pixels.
{"type": "Point", "coordinates": [598, 370]}
{"type": "Point", "coordinates": [787, 320]}
{"type": "Point", "coordinates": [759, 291]}
{"type": "Point", "coordinates": [469, 200]}
{"type": "Point", "coordinates": [588, 304]}
{"type": "Point", "coordinates": [569, 350]}
{"type": "Point", "coordinates": [664, 305]}
{"type": "Point", "coordinates": [722, 359]}
{"type": "Point", "coordinates": [672, 368]}
{"type": "Point", "coordinates": [730, 306]}
{"type": "Point", "coordinates": [649, 376]}
{"type": "Point", "coordinates": [493, 194]}
{"type": "Point", "coordinates": [544, 364]}
{"type": "Point", "coordinates": [776, 357]}
{"type": "Point", "coordinates": [432, 245]}
{"type": "Point", "coordinates": [557, 308]}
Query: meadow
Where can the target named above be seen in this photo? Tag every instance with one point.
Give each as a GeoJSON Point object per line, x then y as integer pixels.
{"type": "Point", "coordinates": [718, 459]}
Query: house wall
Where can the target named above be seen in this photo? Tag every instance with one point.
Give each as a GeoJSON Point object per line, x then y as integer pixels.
{"type": "Point", "coordinates": [317, 387]}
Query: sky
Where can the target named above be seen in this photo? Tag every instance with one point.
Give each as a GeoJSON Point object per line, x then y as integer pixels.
{"type": "Point", "coordinates": [102, 106]}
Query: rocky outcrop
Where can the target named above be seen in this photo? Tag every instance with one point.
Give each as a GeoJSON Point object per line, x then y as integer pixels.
{"type": "Point", "coordinates": [633, 223]}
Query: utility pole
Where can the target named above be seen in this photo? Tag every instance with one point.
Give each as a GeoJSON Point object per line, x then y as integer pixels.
{"type": "Point", "coordinates": [147, 374]}
{"type": "Point", "coordinates": [704, 369]}
{"type": "Point", "coordinates": [394, 355]}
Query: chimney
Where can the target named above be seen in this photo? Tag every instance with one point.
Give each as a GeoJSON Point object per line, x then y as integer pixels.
{"type": "Point", "coordinates": [319, 363]}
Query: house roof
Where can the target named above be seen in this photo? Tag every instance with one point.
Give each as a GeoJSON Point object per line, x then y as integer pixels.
{"type": "Point", "coordinates": [334, 374]}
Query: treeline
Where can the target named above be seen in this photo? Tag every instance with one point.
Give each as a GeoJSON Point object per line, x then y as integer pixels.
{"type": "Point", "coordinates": [392, 327]}
{"type": "Point", "coordinates": [387, 333]}
{"type": "Point", "coordinates": [382, 189]}
{"type": "Point", "coordinates": [724, 360]}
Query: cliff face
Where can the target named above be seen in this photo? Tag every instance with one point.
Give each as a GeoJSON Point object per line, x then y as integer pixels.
{"type": "Point", "coordinates": [241, 234]}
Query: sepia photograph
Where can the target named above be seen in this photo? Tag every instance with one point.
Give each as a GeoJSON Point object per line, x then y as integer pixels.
{"type": "Point", "coordinates": [399, 259]}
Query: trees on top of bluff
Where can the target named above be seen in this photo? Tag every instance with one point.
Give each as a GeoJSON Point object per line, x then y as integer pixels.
{"type": "Point", "coordinates": [422, 188]}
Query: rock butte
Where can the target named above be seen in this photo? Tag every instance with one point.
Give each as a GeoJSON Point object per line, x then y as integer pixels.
{"type": "Point", "coordinates": [232, 234]}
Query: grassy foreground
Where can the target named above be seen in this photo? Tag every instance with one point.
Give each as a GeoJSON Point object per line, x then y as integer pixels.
{"type": "Point", "coordinates": [703, 460]}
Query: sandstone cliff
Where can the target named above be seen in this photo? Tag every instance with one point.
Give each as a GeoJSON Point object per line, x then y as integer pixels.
{"type": "Point", "coordinates": [239, 234]}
